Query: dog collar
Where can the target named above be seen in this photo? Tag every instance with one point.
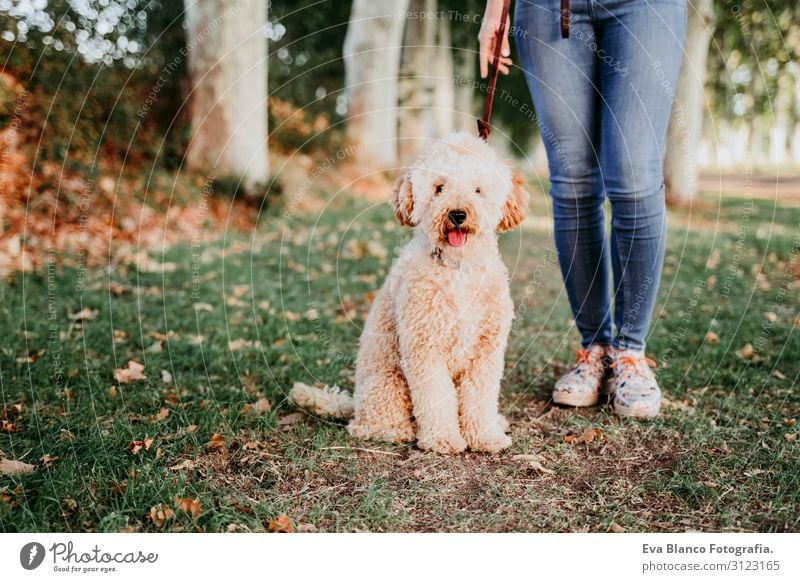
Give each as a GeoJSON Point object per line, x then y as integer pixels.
{"type": "Point", "coordinates": [436, 255]}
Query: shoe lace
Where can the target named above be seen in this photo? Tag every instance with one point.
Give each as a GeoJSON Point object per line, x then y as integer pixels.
{"type": "Point", "coordinates": [591, 358]}
{"type": "Point", "coordinates": [632, 364]}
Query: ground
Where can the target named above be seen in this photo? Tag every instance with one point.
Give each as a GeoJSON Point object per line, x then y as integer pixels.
{"type": "Point", "coordinates": [206, 440]}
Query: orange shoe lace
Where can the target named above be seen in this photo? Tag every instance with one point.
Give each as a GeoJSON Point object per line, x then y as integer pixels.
{"type": "Point", "coordinates": [633, 362]}
{"type": "Point", "coordinates": [588, 357]}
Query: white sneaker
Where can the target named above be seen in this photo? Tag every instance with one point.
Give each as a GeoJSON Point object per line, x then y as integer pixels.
{"type": "Point", "coordinates": [636, 391]}
{"type": "Point", "coordinates": [581, 385]}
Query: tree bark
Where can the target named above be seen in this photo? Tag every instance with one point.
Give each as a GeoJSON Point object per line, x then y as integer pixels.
{"type": "Point", "coordinates": [372, 62]}
{"type": "Point", "coordinates": [416, 83]}
{"type": "Point", "coordinates": [686, 122]}
{"type": "Point", "coordinates": [228, 100]}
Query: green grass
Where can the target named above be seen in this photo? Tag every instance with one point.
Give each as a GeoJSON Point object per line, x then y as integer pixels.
{"type": "Point", "coordinates": [722, 456]}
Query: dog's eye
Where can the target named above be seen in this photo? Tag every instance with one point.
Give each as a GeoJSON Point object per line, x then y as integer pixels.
{"type": "Point", "coordinates": [438, 188]}
{"type": "Point", "coordinates": [478, 191]}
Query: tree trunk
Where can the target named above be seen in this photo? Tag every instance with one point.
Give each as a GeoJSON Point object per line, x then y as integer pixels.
{"type": "Point", "coordinates": [465, 108]}
{"type": "Point", "coordinates": [686, 122]}
{"type": "Point", "coordinates": [372, 62]}
{"type": "Point", "coordinates": [416, 83]}
{"type": "Point", "coordinates": [444, 97]}
{"type": "Point", "coordinates": [228, 100]}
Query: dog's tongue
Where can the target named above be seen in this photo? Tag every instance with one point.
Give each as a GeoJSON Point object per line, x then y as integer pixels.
{"type": "Point", "coordinates": [456, 238]}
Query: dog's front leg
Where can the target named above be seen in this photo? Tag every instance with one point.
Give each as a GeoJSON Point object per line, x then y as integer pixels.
{"type": "Point", "coordinates": [479, 392]}
{"type": "Point", "coordinates": [435, 405]}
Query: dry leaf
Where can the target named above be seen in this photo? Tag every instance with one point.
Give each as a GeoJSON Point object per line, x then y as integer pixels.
{"type": "Point", "coordinates": [84, 314]}
{"type": "Point", "coordinates": [189, 505]}
{"type": "Point", "coordinates": [711, 338]}
{"type": "Point", "coordinates": [535, 461]}
{"type": "Point", "coordinates": [166, 377]}
{"type": "Point", "coordinates": [290, 419]}
{"type": "Point", "coordinates": [191, 428]}
{"type": "Point", "coordinates": [6, 426]}
{"type": "Point", "coordinates": [185, 464]}
{"type": "Point", "coordinates": [48, 460]}
{"type": "Point", "coordinates": [242, 344]}
{"type": "Point", "coordinates": [11, 467]}
{"type": "Point", "coordinates": [617, 528]}
{"type": "Point", "coordinates": [771, 316]}
{"type": "Point", "coordinates": [162, 414]}
{"type": "Point", "coordinates": [131, 373]}
{"type": "Point", "coordinates": [281, 524]}
{"type": "Point", "coordinates": [588, 436]}
{"type": "Point", "coordinates": [747, 352]}
{"type": "Point", "coordinates": [136, 446]}
{"type": "Point", "coordinates": [203, 307]}
{"type": "Point", "coordinates": [159, 514]}
{"type": "Point", "coordinates": [217, 442]}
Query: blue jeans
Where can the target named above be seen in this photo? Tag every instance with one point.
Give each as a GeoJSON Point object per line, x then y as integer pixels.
{"type": "Point", "coordinates": [603, 99]}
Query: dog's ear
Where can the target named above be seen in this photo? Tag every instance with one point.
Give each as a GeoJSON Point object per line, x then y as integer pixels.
{"type": "Point", "coordinates": [403, 199]}
{"type": "Point", "coordinates": [516, 207]}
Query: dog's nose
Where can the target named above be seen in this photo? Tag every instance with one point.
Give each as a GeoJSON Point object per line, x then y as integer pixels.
{"type": "Point", "coordinates": [457, 217]}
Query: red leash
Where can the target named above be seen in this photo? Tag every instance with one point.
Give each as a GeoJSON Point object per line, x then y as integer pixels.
{"type": "Point", "coordinates": [483, 122]}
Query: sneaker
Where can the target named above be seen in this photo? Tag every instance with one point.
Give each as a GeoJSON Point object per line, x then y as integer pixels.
{"type": "Point", "coordinates": [635, 389]}
{"type": "Point", "coordinates": [581, 385]}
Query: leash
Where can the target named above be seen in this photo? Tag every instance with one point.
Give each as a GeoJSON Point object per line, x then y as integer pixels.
{"type": "Point", "coordinates": [484, 129]}
{"type": "Point", "coordinates": [483, 122]}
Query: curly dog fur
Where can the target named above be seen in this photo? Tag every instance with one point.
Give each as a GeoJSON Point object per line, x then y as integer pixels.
{"type": "Point", "coordinates": [431, 354]}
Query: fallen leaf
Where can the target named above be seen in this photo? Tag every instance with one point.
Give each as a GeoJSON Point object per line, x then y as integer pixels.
{"type": "Point", "coordinates": [131, 373]}
{"type": "Point", "coordinates": [189, 505]}
{"type": "Point", "coordinates": [6, 426]}
{"type": "Point", "coordinates": [711, 338]}
{"type": "Point", "coordinates": [778, 374]}
{"type": "Point", "coordinates": [12, 467]}
{"type": "Point", "coordinates": [160, 514]}
{"type": "Point", "coordinates": [241, 344]}
{"type": "Point", "coordinates": [166, 377]}
{"type": "Point", "coordinates": [535, 461]}
{"type": "Point", "coordinates": [217, 442]}
{"type": "Point", "coordinates": [84, 314]}
{"type": "Point", "coordinates": [48, 460]}
{"type": "Point", "coordinates": [162, 414]}
{"type": "Point", "coordinates": [771, 316]}
{"type": "Point", "coordinates": [588, 436]}
{"type": "Point", "coordinates": [135, 446]}
{"type": "Point", "coordinates": [746, 352]}
{"type": "Point", "coordinates": [240, 290]}
{"type": "Point", "coordinates": [616, 528]}
{"type": "Point", "coordinates": [185, 464]}
{"type": "Point", "coordinates": [281, 524]}
{"type": "Point", "coordinates": [790, 437]}
{"type": "Point", "coordinates": [191, 428]}
{"type": "Point", "coordinates": [203, 307]}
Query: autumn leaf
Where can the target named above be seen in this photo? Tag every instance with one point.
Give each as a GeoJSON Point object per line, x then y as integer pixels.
{"type": "Point", "coordinates": [131, 373]}
{"type": "Point", "coordinates": [711, 338]}
{"type": "Point", "coordinates": [185, 464]}
{"type": "Point", "coordinates": [217, 442]}
{"type": "Point", "coordinates": [48, 460]}
{"type": "Point", "coordinates": [136, 446]}
{"type": "Point", "coordinates": [12, 467]}
{"type": "Point", "coordinates": [160, 514]}
{"type": "Point", "coordinates": [166, 377]}
{"type": "Point", "coordinates": [281, 524]}
{"type": "Point", "coordinates": [6, 426]}
{"type": "Point", "coordinates": [84, 314]}
{"type": "Point", "coordinates": [746, 352]}
{"type": "Point", "coordinates": [535, 461]}
{"type": "Point", "coordinates": [588, 436]}
{"type": "Point", "coordinates": [188, 505]}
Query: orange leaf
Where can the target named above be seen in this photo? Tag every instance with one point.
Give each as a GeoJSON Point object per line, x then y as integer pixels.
{"type": "Point", "coordinates": [136, 446]}
{"type": "Point", "coordinates": [281, 524]}
{"type": "Point", "coordinates": [6, 426]}
{"type": "Point", "coordinates": [217, 442]}
{"type": "Point", "coordinates": [159, 514]}
{"type": "Point", "coordinates": [189, 505]}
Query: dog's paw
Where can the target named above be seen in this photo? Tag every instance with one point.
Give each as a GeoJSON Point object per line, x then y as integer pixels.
{"type": "Point", "coordinates": [492, 442]}
{"type": "Point", "coordinates": [386, 434]}
{"type": "Point", "coordinates": [503, 423]}
{"type": "Point", "coordinates": [450, 444]}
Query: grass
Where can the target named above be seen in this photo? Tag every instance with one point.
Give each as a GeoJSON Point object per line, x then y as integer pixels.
{"type": "Point", "coordinates": [241, 319]}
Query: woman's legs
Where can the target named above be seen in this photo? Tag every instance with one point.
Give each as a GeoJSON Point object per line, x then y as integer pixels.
{"type": "Point", "coordinates": [563, 78]}
{"type": "Point", "coordinates": [641, 44]}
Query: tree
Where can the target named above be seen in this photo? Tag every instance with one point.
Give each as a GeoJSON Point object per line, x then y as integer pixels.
{"type": "Point", "coordinates": [228, 97]}
{"type": "Point", "coordinates": [372, 61]}
{"type": "Point", "coordinates": [686, 122]}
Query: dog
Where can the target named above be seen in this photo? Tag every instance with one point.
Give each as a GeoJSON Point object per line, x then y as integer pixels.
{"type": "Point", "coordinates": [431, 354]}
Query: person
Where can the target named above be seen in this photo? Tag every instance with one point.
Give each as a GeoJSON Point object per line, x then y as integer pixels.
{"type": "Point", "coordinates": [603, 97]}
